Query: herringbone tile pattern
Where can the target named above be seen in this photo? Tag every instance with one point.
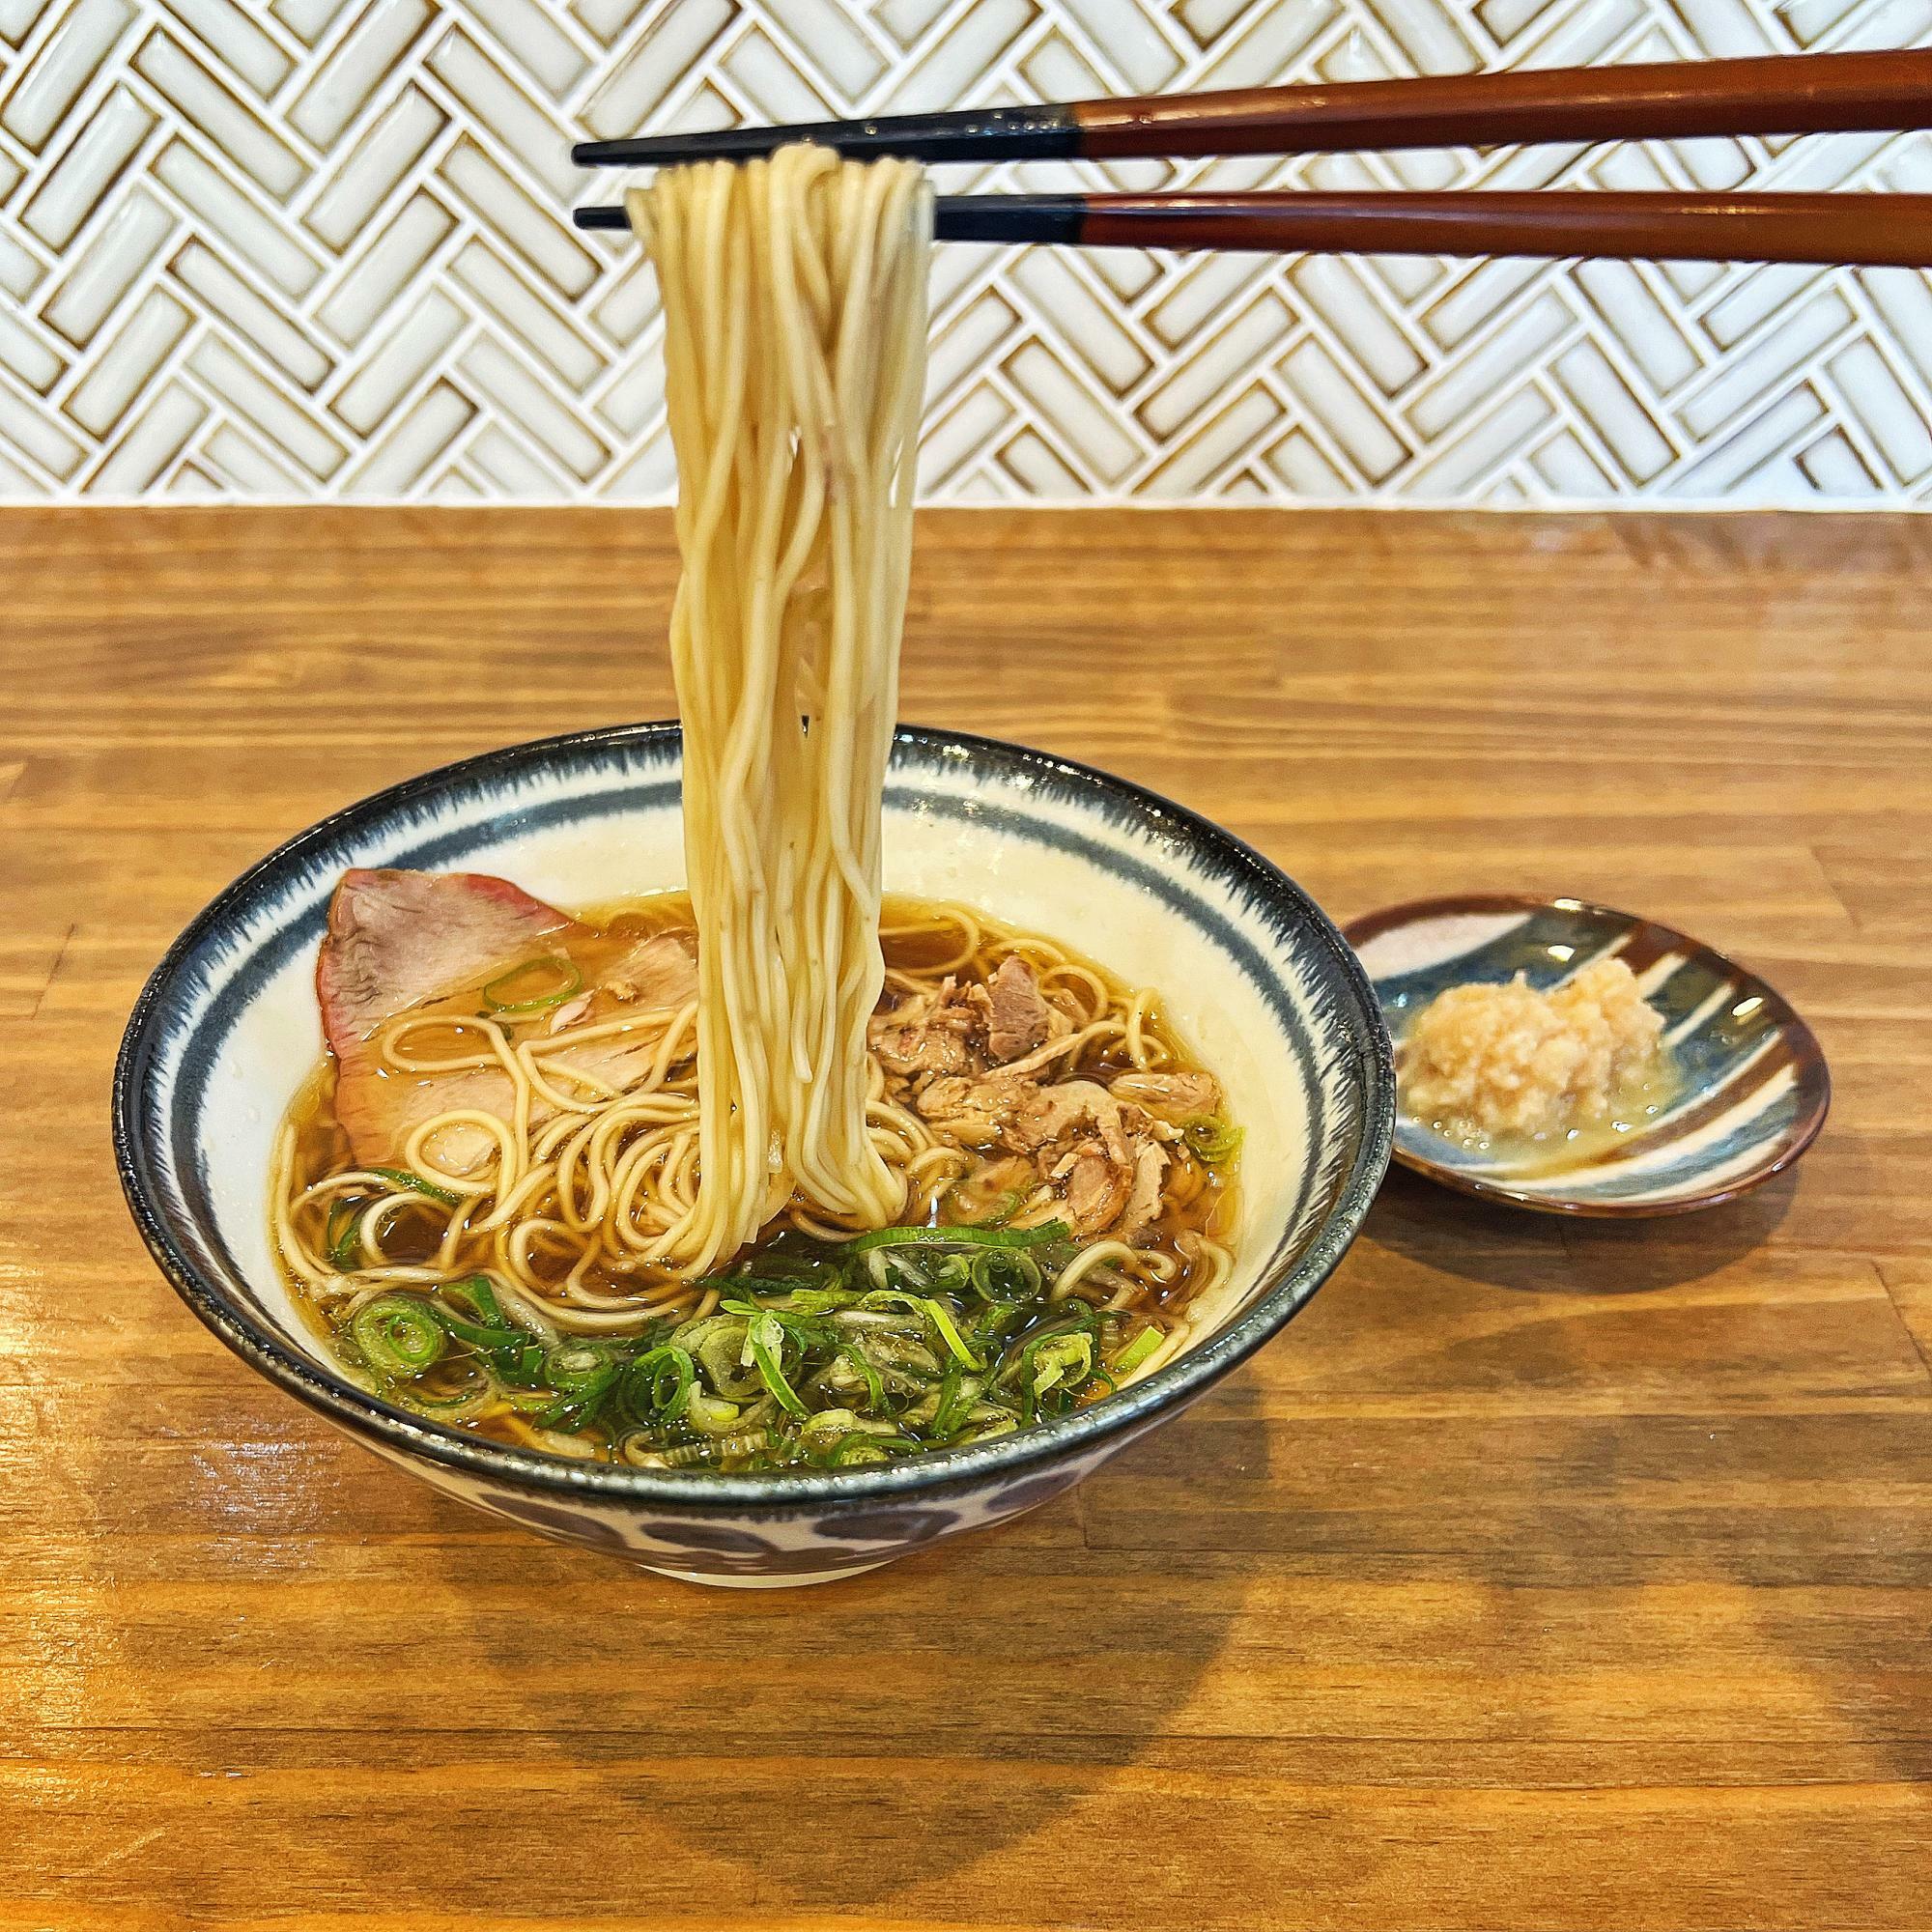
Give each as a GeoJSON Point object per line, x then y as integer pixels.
{"type": "Point", "coordinates": [320, 249]}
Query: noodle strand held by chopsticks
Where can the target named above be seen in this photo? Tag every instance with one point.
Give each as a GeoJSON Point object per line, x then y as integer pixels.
{"type": "Point", "coordinates": [795, 318]}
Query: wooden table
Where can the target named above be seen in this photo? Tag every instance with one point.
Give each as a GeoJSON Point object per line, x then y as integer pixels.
{"type": "Point", "coordinates": [1540, 1576]}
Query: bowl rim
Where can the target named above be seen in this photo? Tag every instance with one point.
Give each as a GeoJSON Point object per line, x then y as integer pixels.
{"type": "Point", "coordinates": [1371, 925]}
{"type": "Point", "coordinates": [1279, 1298]}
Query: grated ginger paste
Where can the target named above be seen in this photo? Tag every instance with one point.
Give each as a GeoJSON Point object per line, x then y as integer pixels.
{"type": "Point", "coordinates": [1482, 1060]}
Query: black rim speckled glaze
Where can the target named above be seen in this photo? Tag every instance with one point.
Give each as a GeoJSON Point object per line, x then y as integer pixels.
{"type": "Point", "coordinates": [1284, 1280]}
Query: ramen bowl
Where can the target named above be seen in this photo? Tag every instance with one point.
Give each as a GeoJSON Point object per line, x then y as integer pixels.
{"type": "Point", "coordinates": [1251, 972]}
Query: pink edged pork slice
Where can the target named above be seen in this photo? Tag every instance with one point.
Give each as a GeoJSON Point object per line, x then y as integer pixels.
{"type": "Point", "coordinates": [399, 939]}
{"type": "Point", "coordinates": [396, 939]}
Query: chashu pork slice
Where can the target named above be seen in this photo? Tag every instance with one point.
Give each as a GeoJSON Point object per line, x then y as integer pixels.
{"type": "Point", "coordinates": [399, 939]}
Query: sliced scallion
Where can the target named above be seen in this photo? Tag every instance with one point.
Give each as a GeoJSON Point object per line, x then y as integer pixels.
{"type": "Point", "coordinates": [658, 1385]}
{"type": "Point", "coordinates": [819, 1300]}
{"type": "Point", "coordinates": [343, 1235]}
{"type": "Point", "coordinates": [717, 1343]}
{"type": "Point", "coordinates": [580, 1375]}
{"type": "Point", "coordinates": [1005, 1274]}
{"type": "Point", "coordinates": [1057, 1359]}
{"type": "Point", "coordinates": [956, 1237]}
{"type": "Point", "coordinates": [764, 1342]}
{"type": "Point", "coordinates": [476, 1290]}
{"type": "Point", "coordinates": [399, 1335]}
{"type": "Point", "coordinates": [480, 1336]}
{"type": "Point", "coordinates": [861, 1447]}
{"type": "Point", "coordinates": [710, 1414]}
{"type": "Point", "coordinates": [935, 1311]}
{"type": "Point", "coordinates": [401, 1177]}
{"type": "Point", "coordinates": [875, 1389]}
{"type": "Point", "coordinates": [502, 995]}
{"type": "Point", "coordinates": [948, 1404]}
{"type": "Point", "coordinates": [1212, 1138]}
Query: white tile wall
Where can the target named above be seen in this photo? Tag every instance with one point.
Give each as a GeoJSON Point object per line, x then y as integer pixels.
{"type": "Point", "coordinates": [319, 249]}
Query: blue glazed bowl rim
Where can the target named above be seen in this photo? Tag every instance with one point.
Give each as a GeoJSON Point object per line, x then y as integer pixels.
{"type": "Point", "coordinates": [1283, 1294]}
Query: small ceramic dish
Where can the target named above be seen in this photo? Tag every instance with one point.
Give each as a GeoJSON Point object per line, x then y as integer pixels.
{"type": "Point", "coordinates": [1751, 1091]}
{"type": "Point", "coordinates": [1252, 972]}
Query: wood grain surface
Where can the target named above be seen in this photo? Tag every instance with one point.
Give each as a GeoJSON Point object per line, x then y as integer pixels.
{"type": "Point", "coordinates": [1540, 1576]}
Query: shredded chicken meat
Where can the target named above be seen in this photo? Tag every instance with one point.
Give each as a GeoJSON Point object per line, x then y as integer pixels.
{"type": "Point", "coordinates": [1019, 1018]}
{"type": "Point", "coordinates": [1097, 1146]}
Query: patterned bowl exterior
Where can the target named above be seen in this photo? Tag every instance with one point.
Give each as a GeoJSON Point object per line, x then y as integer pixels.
{"type": "Point", "coordinates": [1755, 1087]}
{"type": "Point", "coordinates": [1263, 983]}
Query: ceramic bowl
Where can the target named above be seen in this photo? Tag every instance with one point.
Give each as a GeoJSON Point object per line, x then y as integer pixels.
{"type": "Point", "coordinates": [1258, 979]}
{"type": "Point", "coordinates": [1753, 1086]}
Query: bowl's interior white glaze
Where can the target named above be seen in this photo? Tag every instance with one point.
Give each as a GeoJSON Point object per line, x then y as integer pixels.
{"type": "Point", "coordinates": [1125, 893]}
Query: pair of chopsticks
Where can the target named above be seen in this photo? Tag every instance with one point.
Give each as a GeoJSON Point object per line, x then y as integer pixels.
{"type": "Point", "coordinates": [1789, 94]}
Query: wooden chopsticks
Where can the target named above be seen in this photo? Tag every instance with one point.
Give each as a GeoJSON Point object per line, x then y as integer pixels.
{"type": "Point", "coordinates": [1867, 230]}
{"type": "Point", "coordinates": [1793, 94]}
{"type": "Point", "coordinates": [1773, 93]}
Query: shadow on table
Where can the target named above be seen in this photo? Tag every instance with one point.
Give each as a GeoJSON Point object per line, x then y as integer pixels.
{"type": "Point", "coordinates": [1552, 1254]}
{"type": "Point", "coordinates": [843, 1743]}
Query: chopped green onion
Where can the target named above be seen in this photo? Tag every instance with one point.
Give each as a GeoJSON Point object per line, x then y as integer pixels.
{"type": "Point", "coordinates": [992, 1324]}
{"type": "Point", "coordinates": [803, 1329]}
{"type": "Point", "coordinates": [464, 1406]}
{"type": "Point", "coordinates": [1212, 1138]}
{"type": "Point", "coordinates": [658, 1385]}
{"type": "Point", "coordinates": [525, 1401]}
{"type": "Point", "coordinates": [343, 1236]}
{"type": "Point", "coordinates": [571, 1364]}
{"type": "Point", "coordinates": [783, 1265]}
{"type": "Point", "coordinates": [935, 1311]}
{"type": "Point", "coordinates": [944, 1274]}
{"type": "Point", "coordinates": [489, 1339]}
{"type": "Point", "coordinates": [1005, 1274]}
{"type": "Point", "coordinates": [950, 1335]}
{"type": "Point", "coordinates": [1059, 1363]}
{"type": "Point", "coordinates": [1054, 1360]}
{"type": "Point", "coordinates": [764, 1345]}
{"type": "Point", "coordinates": [995, 1422]}
{"type": "Point", "coordinates": [956, 1237]}
{"type": "Point", "coordinates": [833, 1422]}
{"type": "Point", "coordinates": [499, 995]}
{"type": "Point", "coordinates": [718, 1341]}
{"type": "Point", "coordinates": [493, 1335]}
{"type": "Point", "coordinates": [861, 1447]}
{"type": "Point", "coordinates": [814, 1354]}
{"type": "Point", "coordinates": [580, 1375]}
{"type": "Point", "coordinates": [521, 1365]}
{"type": "Point", "coordinates": [949, 1403]}
{"type": "Point", "coordinates": [399, 1335]}
{"type": "Point", "coordinates": [875, 1389]}
{"type": "Point", "coordinates": [998, 1214]}
{"type": "Point", "coordinates": [475, 1288]}
{"type": "Point", "coordinates": [820, 1301]}
{"type": "Point", "coordinates": [416, 1185]}
{"type": "Point", "coordinates": [711, 1414]}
